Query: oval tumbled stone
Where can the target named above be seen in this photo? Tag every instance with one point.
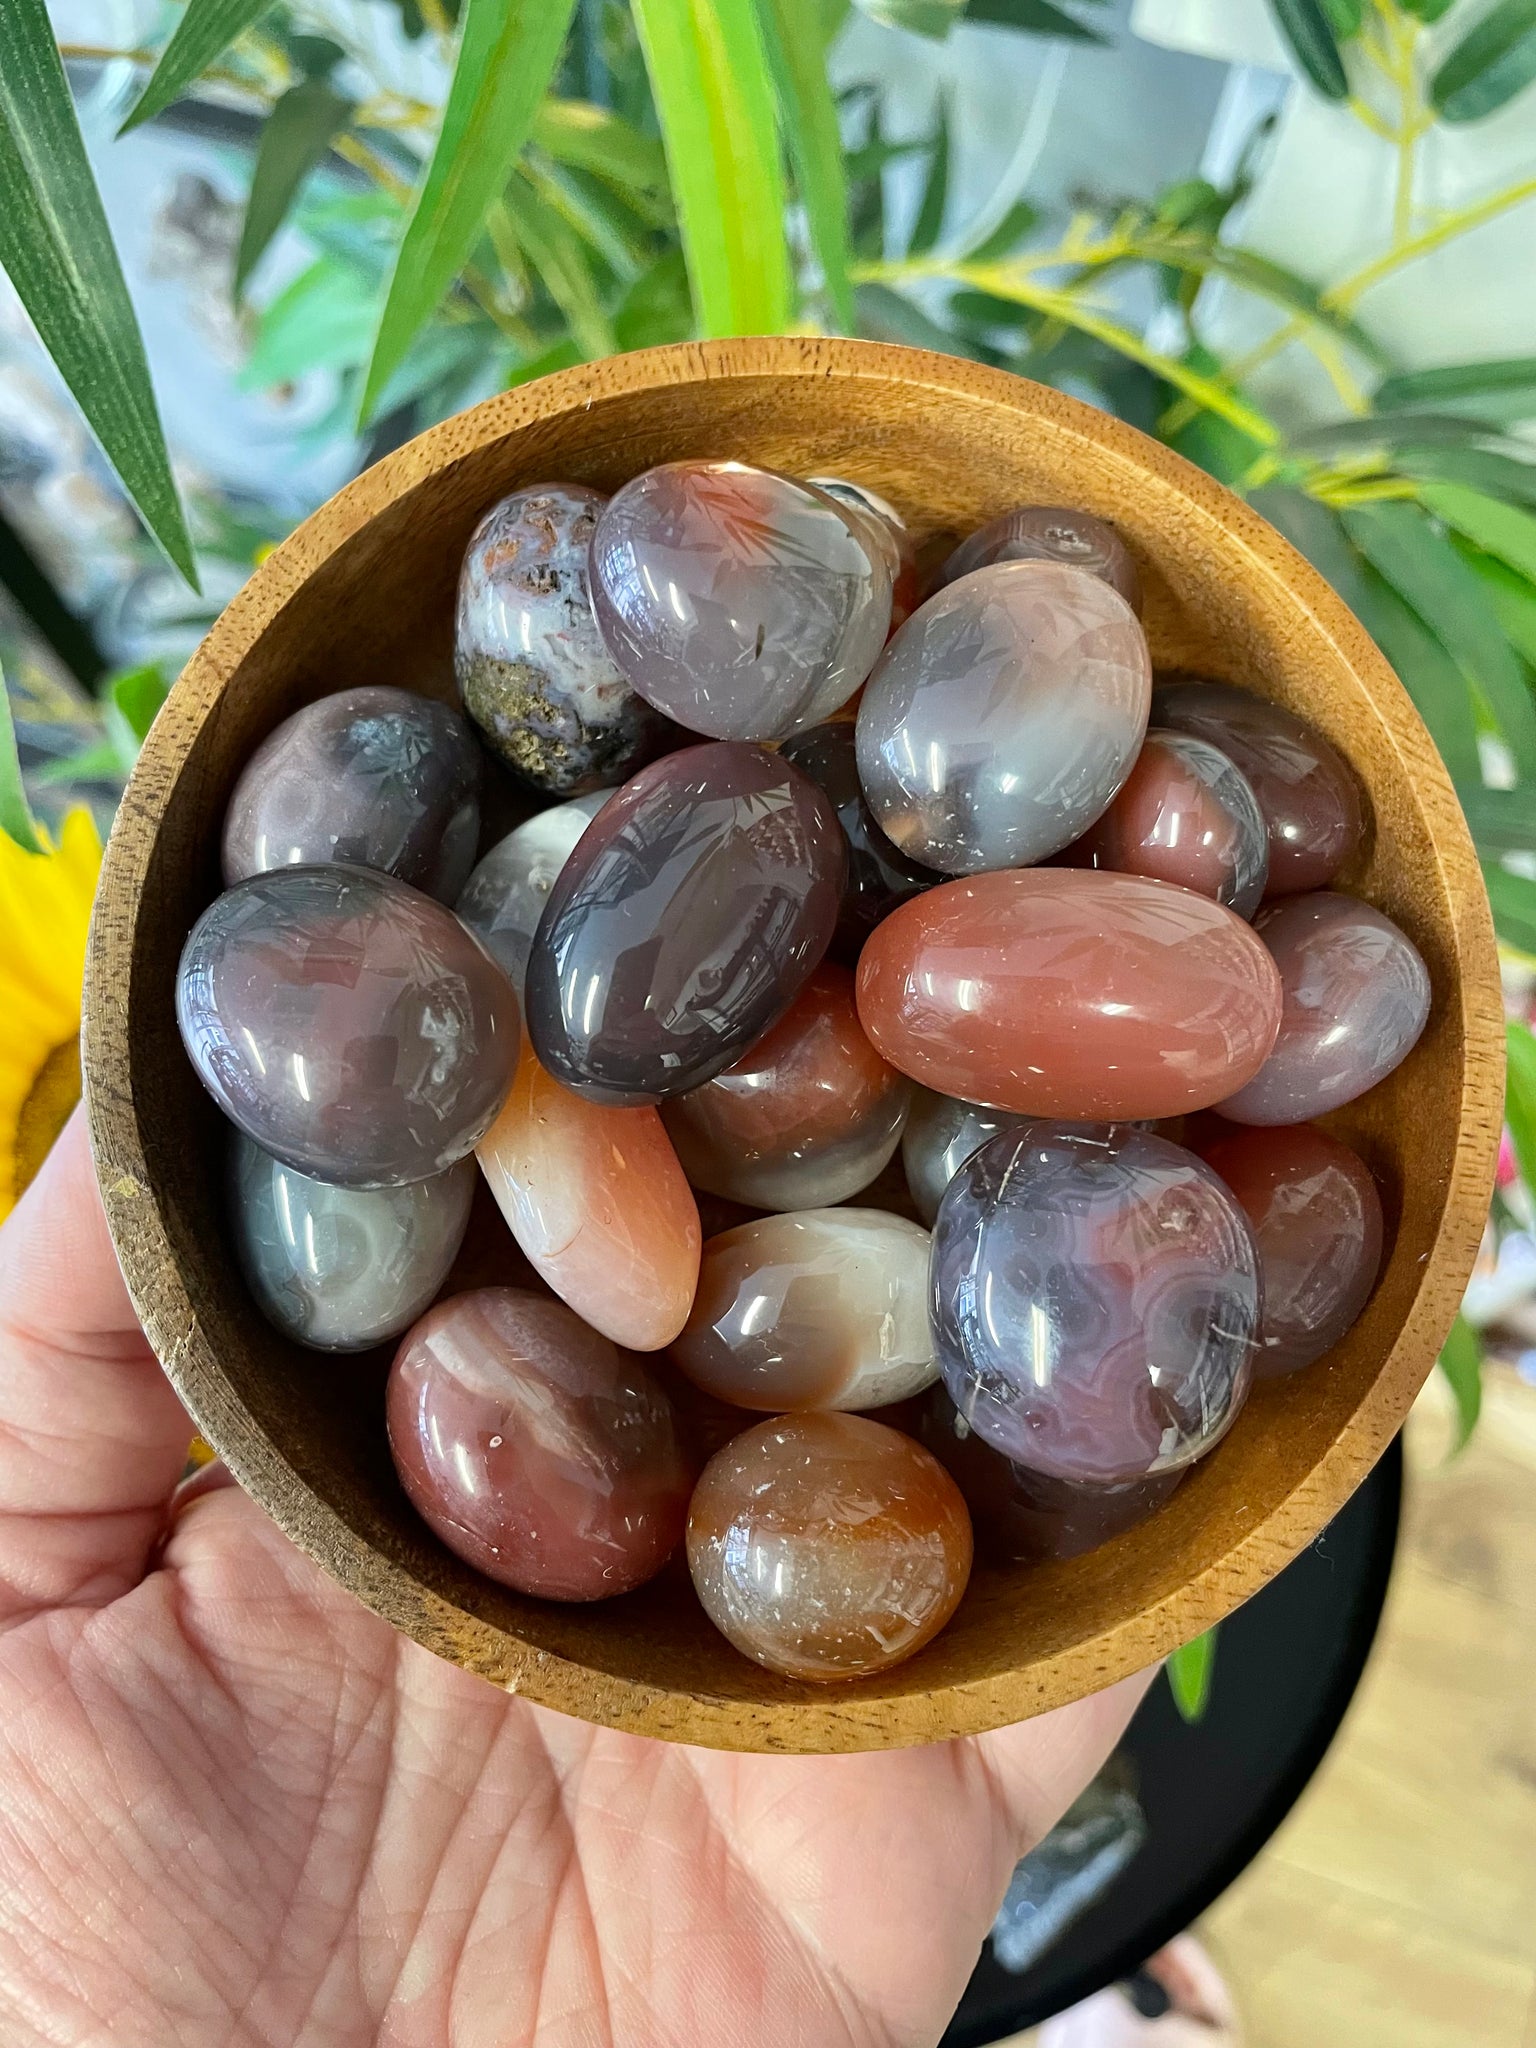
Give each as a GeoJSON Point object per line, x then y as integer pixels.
{"type": "Point", "coordinates": [349, 1025]}
{"type": "Point", "coordinates": [1050, 533]}
{"type": "Point", "coordinates": [1073, 993]}
{"type": "Point", "coordinates": [688, 919]}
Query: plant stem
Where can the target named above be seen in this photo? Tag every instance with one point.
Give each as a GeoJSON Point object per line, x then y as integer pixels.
{"type": "Point", "coordinates": [1348, 290]}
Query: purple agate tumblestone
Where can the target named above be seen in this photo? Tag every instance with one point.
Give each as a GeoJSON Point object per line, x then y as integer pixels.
{"type": "Point", "coordinates": [742, 603]}
{"type": "Point", "coordinates": [1095, 1294]}
{"type": "Point", "coordinates": [347, 1024]}
{"type": "Point", "coordinates": [377, 778]}
{"type": "Point", "coordinates": [1050, 533]}
{"type": "Point", "coordinates": [687, 920]}
{"type": "Point", "coordinates": [1355, 999]}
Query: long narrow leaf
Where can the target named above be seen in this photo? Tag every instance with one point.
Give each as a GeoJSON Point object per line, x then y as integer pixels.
{"type": "Point", "coordinates": [16, 820]}
{"type": "Point", "coordinates": [1308, 31]}
{"type": "Point", "coordinates": [1503, 530]}
{"type": "Point", "coordinates": [552, 247]}
{"type": "Point", "coordinates": [296, 137]}
{"type": "Point", "coordinates": [1482, 469]}
{"type": "Point", "coordinates": [1426, 10]}
{"type": "Point", "coordinates": [204, 32]}
{"type": "Point", "coordinates": [1429, 675]}
{"type": "Point", "coordinates": [1502, 821]}
{"type": "Point", "coordinates": [930, 210]}
{"type": "Point", "coordinates": [56, 248]}
{"type": "Point", "coordinates": [1034, 17]}
{"type": "Point", "coordinates": [1190, 1671]}
{"type": "Point", "coordinates": [1456, 380]}
{"type": "Point", "coordinates": [1520, 1097]}
{"type": "Point", "coordinates": [1494, 60]}
{"type": "Point", "coordinates": [1461, 1361]}
{"type": "Point", "coordinates": [791, 31]}
{"type": "Point", "coordinates": [592, 138]}
{"type": "Point", "coordinates": [1512, 899]}
{"type": "Point", "coordinates": [507, 54]}
{"type": "Point", "coordinates": [1511, 597]}
{"type": "Point", "coordinates": [709, 78]}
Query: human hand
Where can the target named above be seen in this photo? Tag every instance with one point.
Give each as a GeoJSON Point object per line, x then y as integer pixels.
{"type": "Point", "coordinates": [237, 1809]}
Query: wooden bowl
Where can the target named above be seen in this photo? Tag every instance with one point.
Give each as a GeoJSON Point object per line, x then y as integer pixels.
{"type": "Point", "coordinates": [363, 592]}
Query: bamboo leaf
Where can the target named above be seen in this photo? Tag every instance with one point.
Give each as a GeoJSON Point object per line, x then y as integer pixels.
{"type": "Point", "coordinates": [204, 32]}
{"type": "Point", "coordinates": [1426, 10]}
{"type": "Point", "coordinates": [590, 138]}
{"type": "Point", "coordinates": [324, 320]}
{"type": "Point", "coordinates": [1344, 17]}
{"type": "Point", "coordinates": [1502, 821]}
{"type": "Point", "coordinates": [1414, 430]}
{"type": "Point", "coordinates": [1206, 257]}
{"type": "Point", "coordinates": [1502, 530]}
{"type": "Point", "coordinates": [553, 248]}
{"type": "Point", "coordinates": [1314, 529]}
{"type": "Point", "coordinates": [1500, 475]}
{"type": "Point", "coordinates": [1494, 60]}
{"type": "Point", "coordinates": [930, 211]}
{"type": "Point", "coordinates": [132, 700]}
{"type": "Point", "coordinates": [791, 32]}
{"type": "Point", "coordinates": [1461, 1360]}
{"type": "Point", "coordinates": [1033, 17]}
{"type": "Point", "coordinates": [1190, 1672]}
{"type": "Point", "coordinates": [709, 78]}
{"type": "Point", "coordinates": [1310, 35]}
{"type": "Point", "coordinates": [1512, 899]}
{"type": "Point", "coordinates": [1513, 599]}
{"type": "Point", "coordinates": [296, 137]}
{"type": "Point", "coordinates": [1429, 675]}
{"type": "Point", "coordinates": [16, 820]}
{"type": "Point", "coordinates": [1456, 380]}
{"type": "Point", "coordinates": [1520, 1097]}
{"type": "Point", "coordinates": [507, 54]}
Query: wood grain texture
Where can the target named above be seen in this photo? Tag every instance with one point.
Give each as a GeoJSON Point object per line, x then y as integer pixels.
{"type": "Point", "coordinates": [363, 592]}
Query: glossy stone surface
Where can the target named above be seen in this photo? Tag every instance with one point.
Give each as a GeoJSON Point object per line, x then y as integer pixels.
{"type": "Point", "coordinates": [686, 922]}
{"type": "Point", "coordinates": [1356, 1000]}
{"type": "Point", "coordinates": [532, 668]}
{"type": "Point", "coordinates": [1316, 1218]}
{"type": "Point", "coordinates": [598, 1202]}
{"type": "Point", "coordinates": [538, 1451]}
{"type": "Point", "coordinates": [504, 898]}
{"type": "Point", "coordinates": [828, 1546]}
{"type": "Point", "coordinates": [1064, 992]}
{"type": "Point", "coordinates": [1020, 1516]}
{"type": "Point", "coordinates": [1311, 801]}
{"type": "Point", "coordinates": [377, 778]}
{"type": "Point", "coordinates": [743, 604]}
{"type": "Point", "coordinates": [1185, 815]}
{"type": "Point", "coordinates": [824, 1309]}
{"type": "Point", "coordinates": [1095, 1301]}
{"type": "Point", "coordinates": [343, 1268]}
{"type": "Point", "coordinates": [806, 1118]}
{"type": "Point", "coordinates": [1050, 533]}
{"type": "Point", "coordinates": [940, 1134]}
{"type": "Point", "coordinates": [906, 592]}
{"type": "Point", "coordinates": [1003, 717]}
{"type": "Point", "coordinates": [878, 876]}
{"type": "Point", "coordinates": [347, 1023]}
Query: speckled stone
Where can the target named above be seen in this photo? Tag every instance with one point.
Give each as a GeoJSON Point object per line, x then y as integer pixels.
{"type": "Point", "coordinates": [504, 898]}
{"type": "Point", "coordinates": [532, 668]}
{"type": "Point", "coordinates": [1050, 533]}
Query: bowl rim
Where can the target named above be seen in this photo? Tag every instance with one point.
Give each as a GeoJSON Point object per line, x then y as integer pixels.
{"type": "Point", "coordinates": [835, 1719]}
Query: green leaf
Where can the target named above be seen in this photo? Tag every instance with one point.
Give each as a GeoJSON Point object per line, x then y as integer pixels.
{"type": "Point", "coordinates": [296, 137]}
{"type": "Point", "coordinates": [1190, 1671]}
{"type": "Point", "coordinates": [710, 81]}
{"type": "Point", "coordinates": [131, 701]}
{"type": "Point", "coordinates": [1308, 31]}
{"type": "Point", "coordinates": [556, 253]}
{"type": "Point", "coordinates": [56, 248]}
{"type": "Point", "coordinates": [16, 820]}
{"type": "Point", "coordinates": [791, 32]}
{"type": "Point", "coordinates": [1344, 17]}
{"type": "Point", "coordinates": [507, 54]}
{"type": "Point", "coordinates": [594, 139]}
{"type": "Point", "coordinates": [1016, 224]}
{"type": "Point", "coordinates": [1502, 530]}
{"type": "Point", "coordinates": [1456, 380]}
{"type": "Point", "coordinates": [930, 211]}
{"type": "Point", "coordinates": [324, 320]}
{"type": "Point", "coordinates": [1414, 430]}
{"type": "Point", "coordinates": [1206, 257]}
{"type": "Point", "coordinates": [1034, 17]}
{"type": "Point", "coordinates": [657, 306]}
{"type": "Point", "coordinates": [204, 32]}
{"type": "Point", "coordinates": [1502, 821]}
{"type": "Point", "coordinates": [885, 315]}
{"type": "Point", "coordinates": [1512, 898]}
{"type": "Point", "coordinates": [1429, 675]}
{"type": "Point", "coordinates": [561, 355]}
{"type": "Point", "coordinates": [1428, 574]}
{"type": "Point", "coordinates": [1483, 469]}
{"type": "Point", "coordinates": [1513, 599]}
{"type": "Point", "coordinates": [1313, 529]}
{"type": "Point", "coordinates": [931, 18]}
{"type": "Point", "coordinates": [99, 762]}
{"type": "Point", "coordinates": [1520, 1097]}
{"type": "Point", "coordinates": [1461, 1361]}
{"type": "Point", "coordinates": [1426, 10]}
{"type": "Point", "coordinates": [1494, 60]}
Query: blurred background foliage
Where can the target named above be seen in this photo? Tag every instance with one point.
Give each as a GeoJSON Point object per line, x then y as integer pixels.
{"type": "Point", "coordinates": [442, 198]}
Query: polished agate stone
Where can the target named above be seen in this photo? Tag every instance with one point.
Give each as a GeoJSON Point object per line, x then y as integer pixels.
{"type": "Point", "coordinates": [806, 1118]}
{"type": "Point", "coordinates": [1020, 1516]}
{"type": "Point", "coordinates": [1095, 1298]}
{"type": "Point", "coordinates": [824, 1309]}
{"type": "Point", "coordinates": [743, 604]}
{"type": "Point", "coordinates": [940, 1134]}
{"type": "Point", "coordinates": [1064, 992]}
{"type": "Point", "coordinates": [504, 898]}
{"type": "Point", "coordinates": [378, 778]}
{"type": "Point", "coordinates": [1307, 792]}
{"type": "Point", "coordinates": [1316, 1218]}
{"type": "Point", "coordinates": [343, 1268]}
{"type": "Point", "coordinates": [686, 922]}
{"type": "Point", "coordinates": [1356, 999]}
{"type": "Point", "coordinates": [348, 1024]}
{"type": "Point", "coordinates": [878, 876]}
{"type": "Point", "coordinates": [537, 1450]}
{"type": "Point", "coordinates": [906, 592]}
{"type": "Point", "coordinates": [1184, 815]}
{"type": "Point", "coordinates": [532, 668]}
{"type": "Point", "coordinates": [1004, 716]}
{"type": "Point", "coordinates": [827, 1546]}
{"type": "Point", "coordinates": [599, 1204]}
{"type": "Point", "coordinates": [1050, 533]}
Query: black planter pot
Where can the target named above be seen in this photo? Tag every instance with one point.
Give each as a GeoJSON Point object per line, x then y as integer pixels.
{"type": "Point", "coordinates": [1286, 1669]}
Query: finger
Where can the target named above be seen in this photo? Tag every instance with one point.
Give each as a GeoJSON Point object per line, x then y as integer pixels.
{"type": "Point", "coordinates": [92, 1439]}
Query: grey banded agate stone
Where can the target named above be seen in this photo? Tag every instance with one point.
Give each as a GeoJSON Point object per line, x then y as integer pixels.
{"type": "Point", "coordinates": [376, 778]}
{"type": "Point", "coordinates": [532, 668]}
{"type": "Point", "coordinates": [743, 604]}
{"type": "Point", "coordinates": [347, 1024]}
{"type": "Point", "coordinates": [337, 1268]}
{"type": "Point", "coordinates": [504, 898]}
{"type": "Point", "coordinates": [1003, 717]}
{"type": "Point", "coordinates": [688, 919]}
{"type": "Point", "coordinates": [1050, 533]}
